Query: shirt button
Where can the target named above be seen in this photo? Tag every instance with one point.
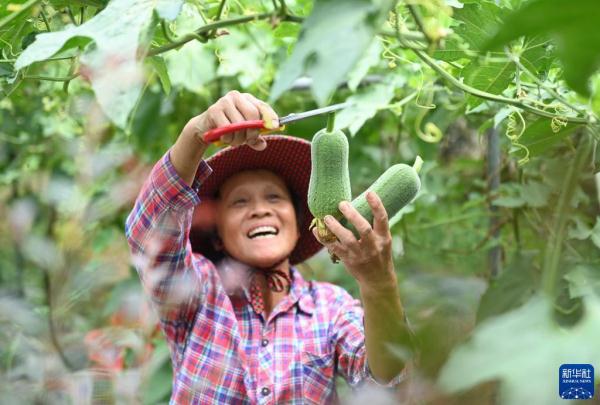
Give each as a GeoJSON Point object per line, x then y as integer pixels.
{"type": "Point", "coordinates": [265, 391]}
{"type": "Point", "coordinates": [264, 342]}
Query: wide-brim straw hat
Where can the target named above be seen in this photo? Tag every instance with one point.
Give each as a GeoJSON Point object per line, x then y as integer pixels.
{"type": "Point", "coordinates": [287, 156]}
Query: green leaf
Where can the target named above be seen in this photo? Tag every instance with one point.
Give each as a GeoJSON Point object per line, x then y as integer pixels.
{"type": "Point", "coordinates": [584, 280]}
{"type": "Point", "coordinates": [240, 56]}
{"type": "Point", "coordinates": [58, 4]}
{"type": "Point", "coordinates": [157, 386]}
{"type": "Point", "coordinates": [573, 25]}
{"type": "Point", "coordinates": [6, 69]}
{"type": "Point", "coordinates": [287, 31]}
{"type": "Point", "coordinates": [595, 235]}
{"type": "Point", "coordinates": [524, 345]}
{"type": "Point", "coordinates": [536, 54]}
{"type": "Point", "coordinates": [192, 66]}
{"type": "Point", "coordinates": [111, 63]}
{"type": "Point", "coordinates": [453, 3]}
{"type": "Point", "coordinates": [453, 49]}
{"type": "Point", "coordinates": [168, 9]}
{"type": "Point", "coordinates": [509, 196]}
{"type": "Point", "coordinates": [369, 59]}
{"type": "Point", "coordinates": [478, 21]}
{"type": "Point", "coordinates": [535, 194]}
{"type": "Point", "coordinates": [596, 94]}
{"type": "Point", "coordinates": [515, 286]}
{"type": "Point", "coordinates": [160, 68]}
{"type": "Point", "coordinates": [364, 105]}
{"type": "Point", "coordinates": [333, 38]}
{"type": "Point", "coordinates": [285, 35]}
{"type": "Point", "coordinates": [580, 230]}
{"type": "Point", "coordinates": [487, 76]}
{"type": "Point", "coordinates": [539, 136]}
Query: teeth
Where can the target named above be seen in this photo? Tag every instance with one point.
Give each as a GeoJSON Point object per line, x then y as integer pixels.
{"type": "Point", "coordinates": [269, 230]}
{"type": "Point", "coordinates": [270, 235]}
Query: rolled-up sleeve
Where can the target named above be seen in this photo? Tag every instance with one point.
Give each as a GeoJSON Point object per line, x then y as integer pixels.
{"type": "Point", "coordinates": [157, 231]}
{"type": "Point", "coordinates": [349, 342]}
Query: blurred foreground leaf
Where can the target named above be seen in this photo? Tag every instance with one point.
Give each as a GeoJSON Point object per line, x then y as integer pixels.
{"type": "Point", "coordinates": [333, 39]}
{"type": "Point", "coordinates": [524, 345]}
{"type": "Point", "coordinates": [111, 62]}
{"type": "Point", "coordinates": [364, 105]}
{"type": "Point", "coordinates": [574, 27]}
{"type": "Point", "coordinates": [514, 287]}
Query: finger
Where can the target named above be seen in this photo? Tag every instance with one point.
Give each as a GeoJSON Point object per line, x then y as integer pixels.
{"type": "Point", "coordinates": [259, 144]}
{"type": "Point", "coordinates": [234, 116]}
{"type": "Point", "coordinates": [252, 136]}
{"type": "Point", "coordinates": [249, 111]}
{"type": "Point", "coordinates": [267, 114]}
{"type": "Point", "coordinates": [345, 236]}
{"type": "Point", "coordinates": [220, 120]}
{"type": "Point", "coordinates": [380, 216]}
{"type": "Point", "coordinates": [360, 223]}
{"type": "Point", "coordinates": [227, 138]}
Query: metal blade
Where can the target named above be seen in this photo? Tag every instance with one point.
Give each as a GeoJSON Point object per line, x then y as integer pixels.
{"type": "Point", "coordinates": [300, 116]}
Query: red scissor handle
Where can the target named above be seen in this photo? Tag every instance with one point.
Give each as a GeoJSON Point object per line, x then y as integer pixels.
{"type": "Point", "coordinates": [215, 134]}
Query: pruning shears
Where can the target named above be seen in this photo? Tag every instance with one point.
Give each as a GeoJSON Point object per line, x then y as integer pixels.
{"type": "Point", "coordinates": [215, 134]}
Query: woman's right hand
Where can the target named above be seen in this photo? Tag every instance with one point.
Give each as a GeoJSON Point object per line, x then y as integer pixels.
{"type": "Point", "coordinates": [231, 108]}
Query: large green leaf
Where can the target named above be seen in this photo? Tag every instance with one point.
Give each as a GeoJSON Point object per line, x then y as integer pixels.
{"type": "Point", "coordinates": [525, 345]}
{"type": "Point", "coordinates": [584, 280]}
{"type": "Point", "coordinates": [240, 56]}
{"type": "Point", "coordinates": [453, 49]}
{"type": "Point", "coordinates": [491, 77]}
{"type": "Point", "coordinates": [160, 68]}
{"type": "Point", "coordinates": [539, 135]}
{"type": "Point", "coordinates": [536, 54]}
{"type": "Point", "coordinates": [572, 24]}
{"type": "Point", "coordinates": [531, 193]}
{"type": "Point", "coordinates": [168, 9]}
{"type": "Point", "coordinates": [478, 21]}
{"type": "Point", "coordinates": [192, 66]}
{"type": "Point", "coordinates": [333, 39]}
{"type": "Point", "coordinates": [371, 58]}
{"type": "Point", "coordinates": [515, 286]}
{"type": "Point", "coordinates": [58, 4]}
{"type": "Point", "coordinates": [364, 105]}
{"type": "Point", "coordinates": [111, 62]}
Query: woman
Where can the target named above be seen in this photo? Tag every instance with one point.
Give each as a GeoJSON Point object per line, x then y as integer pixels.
{"type": "Point", "coordinates": [242, 324]}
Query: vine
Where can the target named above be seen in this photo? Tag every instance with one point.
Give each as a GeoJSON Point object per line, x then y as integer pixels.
{"type": "Point", "coordinates": [430, 133]}
{"type": "Point", "coordinates": [552, 253]}
{"type": "Point", "coordinates": [514, 131]}
{"type": "Point", "coordinates": [480, 93]}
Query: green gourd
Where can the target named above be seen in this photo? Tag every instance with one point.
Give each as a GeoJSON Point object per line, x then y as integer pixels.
{"type": "Point", "coordinates": [396, 187]}
{"type": "Point", "coordinates": [329, 179]}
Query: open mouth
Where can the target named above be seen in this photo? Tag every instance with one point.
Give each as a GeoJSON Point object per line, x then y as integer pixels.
{"type": "Point", "coordinates": [263, 232]}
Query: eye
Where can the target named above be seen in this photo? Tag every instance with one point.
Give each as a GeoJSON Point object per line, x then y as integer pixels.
{"type": "Point", "coordinates": [239, 201]}
{"type": "Point", "coordinates": [273, 197]}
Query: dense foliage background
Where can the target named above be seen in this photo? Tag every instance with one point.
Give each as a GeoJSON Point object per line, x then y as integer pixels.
{"type": "Point", "coordinates": [498, 257]}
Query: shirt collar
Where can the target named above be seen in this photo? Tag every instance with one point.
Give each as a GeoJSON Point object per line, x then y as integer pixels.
{"type": "Point", "coordinates": [235, 279]}
{"type": "Point", "coordinates": [301, 292]}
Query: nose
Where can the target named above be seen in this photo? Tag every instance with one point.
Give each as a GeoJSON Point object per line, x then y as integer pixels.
{"type": "Point", "coordinates": [260, 209]}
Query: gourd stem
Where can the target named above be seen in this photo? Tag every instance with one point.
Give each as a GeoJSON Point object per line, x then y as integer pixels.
{"type": "Point", "coordinates": [330, 122]}
{"type": "Point", "coordinates": [418, 163]}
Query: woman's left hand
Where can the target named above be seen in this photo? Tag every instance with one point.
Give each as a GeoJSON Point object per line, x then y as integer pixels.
{"type": "Point", "coordinates": [368, 259]}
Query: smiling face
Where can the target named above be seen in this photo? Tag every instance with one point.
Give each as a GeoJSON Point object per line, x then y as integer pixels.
{"type": "Point", "coordinates": [256, 219]}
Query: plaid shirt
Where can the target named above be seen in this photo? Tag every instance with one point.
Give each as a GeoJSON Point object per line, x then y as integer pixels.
{"type": "Point", "coordinates": [222, 351]}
